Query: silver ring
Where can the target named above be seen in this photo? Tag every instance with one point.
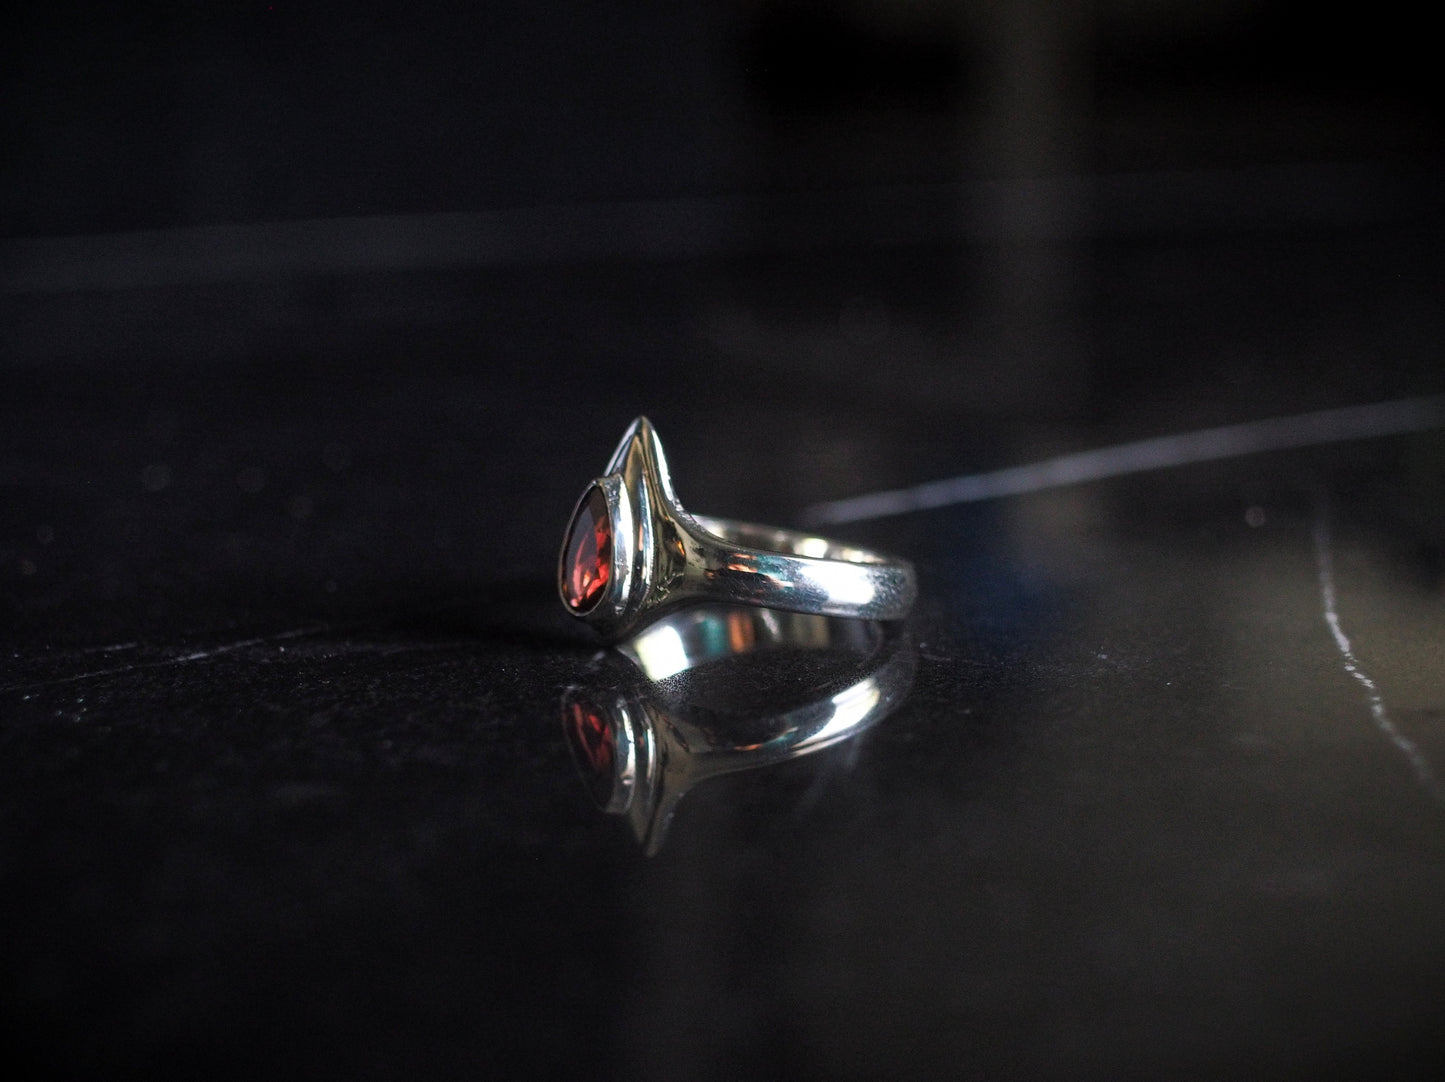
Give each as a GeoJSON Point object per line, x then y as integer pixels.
{"type": "Point", "coordinates": [631, 554]}
{"type": "Point", "coordinates": [640, 746]}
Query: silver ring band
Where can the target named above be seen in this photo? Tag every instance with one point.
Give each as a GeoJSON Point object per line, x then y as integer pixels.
{"type": "Point", "coordinates": [631, 554]}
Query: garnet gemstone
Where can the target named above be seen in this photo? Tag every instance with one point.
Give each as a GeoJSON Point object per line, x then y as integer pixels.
{"type": "Point", "coordinates": [587, 557]}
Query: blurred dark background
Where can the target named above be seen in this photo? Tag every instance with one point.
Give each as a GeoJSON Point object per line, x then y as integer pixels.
{"type": "Point", "coordinates": [910, 196]}
{"type": "Point", "coordinates": [152, 116]}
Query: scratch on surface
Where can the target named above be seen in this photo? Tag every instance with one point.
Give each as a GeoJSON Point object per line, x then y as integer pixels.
{"type": "Point", "coordinates": [1324, 560]}
{"type": "Point", "coordinates": [114, 648]}
{"type": "Point", "coordinates": [178, 659]}
{"type": "Point", "coordinates": [1391, 418]}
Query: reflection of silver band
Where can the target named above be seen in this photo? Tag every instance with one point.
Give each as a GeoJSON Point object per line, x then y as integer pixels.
{"type": "Point", "coordinates": [694, 637]}
{"type": "Point", "coordinates": [640, 751]}
{"type": "Point", "coordinates": [632, 553]}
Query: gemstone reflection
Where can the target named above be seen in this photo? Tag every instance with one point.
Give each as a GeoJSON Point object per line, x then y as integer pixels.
{"type": "Point", "coordinates": [594, 747]}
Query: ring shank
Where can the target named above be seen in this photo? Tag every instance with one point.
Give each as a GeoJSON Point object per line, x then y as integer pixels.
{"type": "Point", "coordinates": [745, 563]}
{"type": "Point", "coordinates": [790, 542]}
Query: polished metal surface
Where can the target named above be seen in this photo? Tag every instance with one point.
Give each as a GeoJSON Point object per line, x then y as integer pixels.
{"type": "Point", "coordinates": [641, 746]}
{"type": "Point", "coordinates": [662, 557]}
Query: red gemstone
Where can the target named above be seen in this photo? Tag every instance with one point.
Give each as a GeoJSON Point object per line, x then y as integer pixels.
{"type": "Point", "coordinates": [587, 557]}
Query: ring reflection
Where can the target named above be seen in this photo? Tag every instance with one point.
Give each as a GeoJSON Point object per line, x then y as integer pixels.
{"type": "Point", "coordinates": [716, 689]}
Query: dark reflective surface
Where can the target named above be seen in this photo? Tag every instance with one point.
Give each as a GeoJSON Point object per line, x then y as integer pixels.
{"type": "Point", "coordinates": [297, 791]}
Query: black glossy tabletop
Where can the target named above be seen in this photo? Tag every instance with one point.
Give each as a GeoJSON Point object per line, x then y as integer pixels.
{"type": "Point", "coordinates": [290, 777]}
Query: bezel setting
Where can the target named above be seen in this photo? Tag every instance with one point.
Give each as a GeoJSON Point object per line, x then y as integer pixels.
{"type": "Point", "coordinates": [649, 547]}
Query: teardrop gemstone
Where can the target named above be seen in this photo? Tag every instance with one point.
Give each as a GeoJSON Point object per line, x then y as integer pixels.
{"type": "Point", "coordinates": [587, 555]}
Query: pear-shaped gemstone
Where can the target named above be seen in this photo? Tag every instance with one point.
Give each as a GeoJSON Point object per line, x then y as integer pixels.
{"type": "Point", "coordinates": [587, 557]}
